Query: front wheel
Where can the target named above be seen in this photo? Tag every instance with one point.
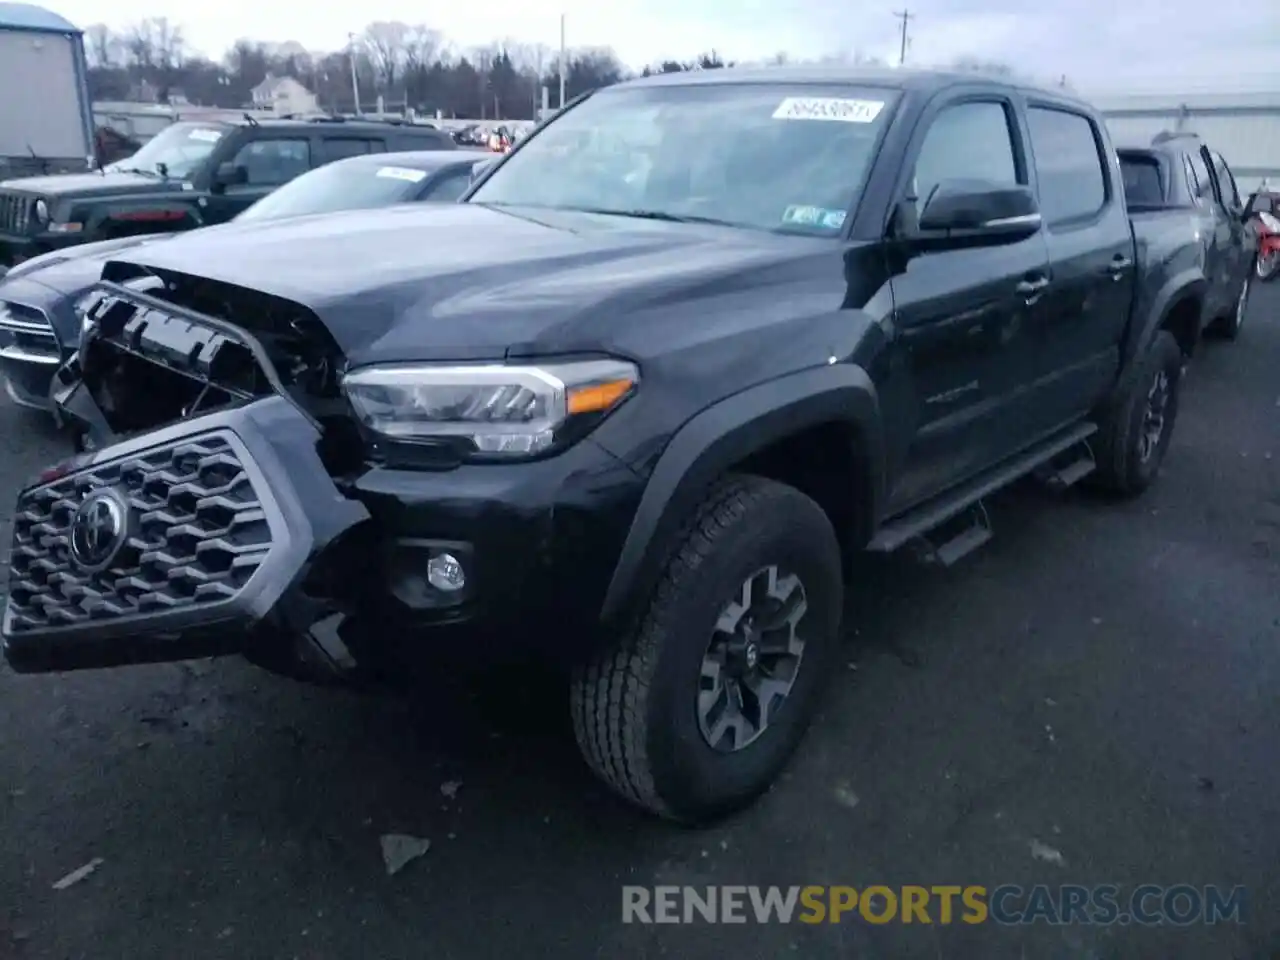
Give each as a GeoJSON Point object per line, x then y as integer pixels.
{"type": "Point", "coordinates": [1267, 264]}
{"type": "Point", "coordinates": [694, 712]}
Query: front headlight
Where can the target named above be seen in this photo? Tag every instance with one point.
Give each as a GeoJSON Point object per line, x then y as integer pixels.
{"type": "Point", "coordinates": [498, 410]}
{"type": "Point", "coordinates": [42, 211]}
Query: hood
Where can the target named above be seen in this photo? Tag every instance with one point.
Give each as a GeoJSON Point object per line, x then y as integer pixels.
{"type": "Point", "coordinates": [467, 281]}
{"type": "Point", "coordinates": [92, 185]}
{"type": "Point", "coordinates": [60, 268]}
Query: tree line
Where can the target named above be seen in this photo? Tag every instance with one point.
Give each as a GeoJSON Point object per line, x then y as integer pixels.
{"type": "Point", "coordinates": [403, 66]}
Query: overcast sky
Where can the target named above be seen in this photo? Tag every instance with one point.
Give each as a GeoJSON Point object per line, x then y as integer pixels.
{"type": "Point", "coordinates": [1097, 43]}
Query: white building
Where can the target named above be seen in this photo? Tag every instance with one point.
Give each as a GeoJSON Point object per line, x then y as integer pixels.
{"type": "Point", "coordinates": [1243, 127]}
{"type": "Point", "coordinates": [283, 95]}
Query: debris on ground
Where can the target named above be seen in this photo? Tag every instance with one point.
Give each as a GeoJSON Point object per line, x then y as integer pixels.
{"type": "Point", "coordinates": [400, 849]}
{"type": "Point", "coordinates": [1042, 851]}
{"type": "Point", "coordinates": [1205, 783]}
{"type": "Point", "coordinates": [450, 788]}
{"type": "Point", "coordinates": [75, 876]}
{"type": "Point", "coordinates": [845, 796]}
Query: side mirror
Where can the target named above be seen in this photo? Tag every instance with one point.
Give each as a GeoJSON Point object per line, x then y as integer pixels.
{"type": "Point", "coordinates": [962, 214]}
{"type": "Point", "coordinates": [229, 175]}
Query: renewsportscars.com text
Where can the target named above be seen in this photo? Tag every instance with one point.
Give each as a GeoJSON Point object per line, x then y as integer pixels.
{"type": "Point", "coordinates": [1146, 905]}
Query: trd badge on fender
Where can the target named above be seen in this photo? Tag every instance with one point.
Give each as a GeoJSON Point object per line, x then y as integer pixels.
{"type": "Point", "coordinates": [98, 530]}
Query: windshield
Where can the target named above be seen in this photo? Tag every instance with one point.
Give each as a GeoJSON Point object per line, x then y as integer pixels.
{"type": "Point", "coordinates": [771, 157]}
{"type": "Point", "coordinates": [176, 151]}
{"type": "Point", "coordinates": [339, 186]}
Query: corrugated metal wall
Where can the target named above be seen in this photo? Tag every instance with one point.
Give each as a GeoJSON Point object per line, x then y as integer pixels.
{"type": "Point", "coordinates": [40, 97]}
{"type": "Point", "coordinates": [1244, 129]}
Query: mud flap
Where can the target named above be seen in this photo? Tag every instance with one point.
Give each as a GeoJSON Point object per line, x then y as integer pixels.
{"type": "Point", "coordinates": [192, 540]}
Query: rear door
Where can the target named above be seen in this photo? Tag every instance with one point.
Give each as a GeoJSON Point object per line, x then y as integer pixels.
{"type": "Point", "coordinates": [1219, 298]}
{"type": "Point", "coordinates": [330, 149]}
{"type": "Point", "coordinates": [1086, 308]}
{"type": "Point", "coordinates": [960, 316]}
{"type": "Point", "coordinates": [1239, 256]}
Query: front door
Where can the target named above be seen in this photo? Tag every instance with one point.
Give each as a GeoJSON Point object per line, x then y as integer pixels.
{"type": "Point", "coordinates": [268, 162]}
{"type": "Point", "coordinates": [961, 316]}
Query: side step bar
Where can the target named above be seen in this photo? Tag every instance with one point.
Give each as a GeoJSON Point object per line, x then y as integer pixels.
{"type": "Point", "coordinates": [930, 516]}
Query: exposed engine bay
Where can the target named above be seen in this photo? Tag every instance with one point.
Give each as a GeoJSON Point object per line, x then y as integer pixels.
{"type": "Point", "coordinates": [160, 347]}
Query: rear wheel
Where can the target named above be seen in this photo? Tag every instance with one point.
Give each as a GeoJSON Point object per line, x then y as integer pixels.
{"type": "Point", "coordinates": [1136, 429]}
{"type": "Point", "coordinates": [695, 711]}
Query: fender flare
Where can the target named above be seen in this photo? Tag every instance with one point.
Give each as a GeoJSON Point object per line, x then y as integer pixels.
{"type": "Point", "coordinates": [710, 443]}
{"type": "Point", "coordinates": [1176, 288]}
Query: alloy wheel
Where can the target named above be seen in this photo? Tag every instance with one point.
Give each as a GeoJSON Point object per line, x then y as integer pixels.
{"type": "Point", "coordinates": [752, 661]}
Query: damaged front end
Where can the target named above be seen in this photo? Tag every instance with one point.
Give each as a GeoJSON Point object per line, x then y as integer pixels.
{"type": "Point", "coordinates": [204, 515]}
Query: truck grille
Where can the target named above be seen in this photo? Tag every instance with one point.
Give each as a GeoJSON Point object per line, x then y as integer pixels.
{"type": "Point", "coordinates": [194, 531]}
{"type": "Point", "coordinates": [24, 321]}
{"type": "Point", "coordinates": [15, 212]}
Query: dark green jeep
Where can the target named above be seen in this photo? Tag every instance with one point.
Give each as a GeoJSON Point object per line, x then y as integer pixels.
{"type": "Point", "coordinates": [190, 175]}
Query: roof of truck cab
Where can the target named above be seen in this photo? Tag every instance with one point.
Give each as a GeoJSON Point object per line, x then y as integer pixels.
{"type": "Point", "coordinates": [900, 78]}
{"type": "Point", "coordinates": [426, 160]}
{"type": "Point", "coordinates": [27, 16]}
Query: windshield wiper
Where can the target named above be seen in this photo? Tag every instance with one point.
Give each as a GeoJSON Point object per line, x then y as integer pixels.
{"type": "Point", "coordinates": [661, 215]}
{"type": "Point", "coordinates": [140, 170]}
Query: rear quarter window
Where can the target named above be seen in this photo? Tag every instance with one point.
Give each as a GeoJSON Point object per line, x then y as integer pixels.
{"type": "Point", "coordinates": [1069, 165]}
{"type": "Point", "coordinates": [1143, 181]}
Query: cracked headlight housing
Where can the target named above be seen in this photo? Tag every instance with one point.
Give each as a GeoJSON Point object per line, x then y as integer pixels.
{"type": "Point", "coordinates": [497, 411]}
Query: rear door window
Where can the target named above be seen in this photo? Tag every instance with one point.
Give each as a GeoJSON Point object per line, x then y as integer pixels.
{"type": "Point", "coordinates": [1069, 164]}
{"type": "Point", "coordinates": [1226, 181]}
{"type": "Point", "coordinates": [1200, 172]}
{"type": "Point", "coordinates": [339, 148]}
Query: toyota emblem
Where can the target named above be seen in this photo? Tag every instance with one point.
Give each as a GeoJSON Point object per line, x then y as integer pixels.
{"type": "Point", "coordinates": [98, 530]}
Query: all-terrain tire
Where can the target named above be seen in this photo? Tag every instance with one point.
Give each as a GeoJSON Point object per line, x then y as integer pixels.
{"type": "Point", "coordinates": [1122, 467]}
{"type": "Point", "coordinates": [634, 704]}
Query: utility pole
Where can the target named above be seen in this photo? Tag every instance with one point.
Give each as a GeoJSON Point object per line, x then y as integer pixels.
{"type": "Point", "coordinates": [906, 16]}
{"type": "Point", "coordinates": [355, 83]}
{"type": "Point", "coordinates": [563, 61]}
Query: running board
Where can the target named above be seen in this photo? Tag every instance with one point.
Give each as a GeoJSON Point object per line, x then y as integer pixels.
{"type": "Point", "coordinates": [916, 523]}
{"type": "Point", "coordinates": [963, 534]}
{"type": "Point", "coordinates": [1069, 468]}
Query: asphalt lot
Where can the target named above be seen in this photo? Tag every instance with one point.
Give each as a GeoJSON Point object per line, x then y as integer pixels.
{"type": "Point", "coordinates": [1099, 684]}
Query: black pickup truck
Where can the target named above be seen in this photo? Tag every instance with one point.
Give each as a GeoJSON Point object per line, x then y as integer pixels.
{"type": "Point", "coordinates": [1178, 181]}
{"type": "Point", "coordinates": [635, 405]}
{"type": "Point", "coordinates": [192, 174]}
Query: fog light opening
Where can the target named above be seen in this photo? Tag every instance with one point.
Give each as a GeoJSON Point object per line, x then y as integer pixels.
{"type": "Point", "coordinates": [445, 573]}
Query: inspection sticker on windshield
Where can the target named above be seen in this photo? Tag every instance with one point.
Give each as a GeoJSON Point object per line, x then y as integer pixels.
{"type": "Point", "coordinates": [402, 173]}
{"type": "Point", "coordinates": [828, 108]}
{"type": "Point", "coordinates": [205, 136]}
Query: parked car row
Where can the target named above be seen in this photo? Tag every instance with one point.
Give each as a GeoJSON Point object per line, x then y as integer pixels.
{"type": "Point", "coordinates": [634, 403]}
{"type": "Point", "coordinates": [39, 326]}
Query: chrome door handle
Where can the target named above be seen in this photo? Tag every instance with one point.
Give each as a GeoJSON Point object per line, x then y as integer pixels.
{"type": "Point", "coordinates": [1029, 288]}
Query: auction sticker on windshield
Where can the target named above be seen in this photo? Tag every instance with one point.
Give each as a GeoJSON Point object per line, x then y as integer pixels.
{"type": "Point", "coordinates": [828, 108]}
{"type": "Point", "coordinates": [402, 173]}
{"type": "Point", "coordinates": [804, 216]}
{"type": "Point", "coordinates": [205, 136]}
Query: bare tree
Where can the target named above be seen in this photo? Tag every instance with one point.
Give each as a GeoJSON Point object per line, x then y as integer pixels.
{"type": "Point", "coordinates": [422, 49]}
{"type": "Point", "coordinates": [141, 45]}
{"type": "Point", "coordinates": [386, 42]}
{"type": "Point", "coordinates": [101, 46]}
